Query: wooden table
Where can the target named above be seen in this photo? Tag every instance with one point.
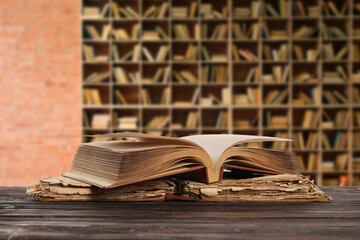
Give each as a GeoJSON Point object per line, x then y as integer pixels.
{"type": "Point", "coordinates": [22, 217]}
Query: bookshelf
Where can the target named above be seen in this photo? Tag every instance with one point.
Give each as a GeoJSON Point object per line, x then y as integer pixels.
{"type": "Point", "coordinates": [281, 68]}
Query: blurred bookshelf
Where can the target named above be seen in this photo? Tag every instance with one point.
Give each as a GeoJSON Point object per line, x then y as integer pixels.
{"type": "Point", "coordinates": [282, 68]}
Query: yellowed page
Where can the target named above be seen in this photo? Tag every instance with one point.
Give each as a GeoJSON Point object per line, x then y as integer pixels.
{"type": "Point", "coordinates": [216, 144]}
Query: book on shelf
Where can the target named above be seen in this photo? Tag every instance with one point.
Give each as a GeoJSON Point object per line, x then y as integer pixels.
{"type": "Point", "coordinates": [97, 77]}
{"type": "Point", "coordinates": [342, 118]}
{"type": "Point", "coordinates": [100, 121]}
{"type": "Point", "coordinates": [330, 8]}
{"type": "Point", "coordinates": [119, 97]}
{"type": "Point", "coordinates": [278, 144]}
{"type": "Point", "coordinates": [161, 75]}
{"type": "Point", "coordinates": [337, 76]}
{"type": "Point", "coordinates": [150, 35]}
{"type": "Point", "coordinates": [310, 119]}
{"type": "Point", "coordinates": [225, 95]}
{"type": "Point", "coordinates": [179, 12]}
{"type": "Point", "coordinates": [333, 97]}
{"type": "Point", "coordinates": [145, 96]}
{"type": "Point", "coordinates": [246, 55]}
{"type": "Point", "coordinates": [165, 96]}
{"type": "Point", "coordinates": [92, 32]}
{"type": "Point", "coordinates": [311, 11]}
{"type": "Point", "coordinates": [191, 53]}
{"type": "Point", "coordinates": [341, 180]}
{"type": "Point", "coordinates": [95, 12]}
{"type": "Point", "coordinates": [303, 142]}
{"type": "Point", "coordinates": [246, 123]}
{"type": "Point", "coordinates": [339, 141]}
{"type": "Point", "coordinates": [147, 54]}
{"type": "Point", "coordinates": [127, 122]}
{"type": "Point", "coordinates": [280, 74]}
{"type": "Point", "coordinates": [214, 73]}
{"type": "Point", "coordinates": [207, 11]}
{"type": "Point", "coordinates": [280, 54]}
{"type": "Point", "coordinates": [276, 121]}
{"type": "Point", "coordinates": [91, 56]}
{"type": "Point", "coordinates": [192, 119]}
{"type": "Point", "coordinates": [304, 32]}
{"type": "Point", "coordinates": [311, 163]}
{"type": "Point", "coordinates": [284, 188]}
{"type": "Point", "coordinates": [276, 97]}
{"type": "Point", "coordinates": [122, 34]}
{"type": "Point", "coordinates": [356, 95]}
{"type": "Point", "coordinates": [132, 55]}
{"type": "Point", "coordinates": [328, 166]}
{"type": "Point", "coordinates": [222, 119]}
{"type": "Point", "coordinates": [181, 31]}
{"type": "Point", "coordinates": [310, 54]}
{"type": "Point", "coordinates": [241, 12]}
{"type": "Point", "coordinates": [242, 31]}
{"type": "Point", "coordinates": [123, 12]}
{"type": "Point", "coordinates": [329, 32]}
{"type": "Point", "coordinates": [219, 32]}
{"type": "Point", "coordinates": [158, 122]}
{"type": "Point", "coordinates": [162, 53]}
{"type": "Point", "coordinates": [184, 76]}
{"type": "Point", "coordinates": [329, 53]}
{"type": "Point", "coordinates": [341, 162]}
{"type": "Point", "coordinates": [269, 33]}
{"type": "Point", "coordinates": [302, 98]}
{"type": "Point", "coordinates": [252, 96]}
{"type": "Point", "coordinates": [120, 75]}
{"type": "Point", "coordinates": [280, 10]}
{"type": "Point", "coordinates": [253, 75]}
{"type": "Point", "coordinates": [91, 96]}
{"type": "Point", "coordinates": [210, 155]}
{"type": "Point", "coordinates": [305, 77]}
{"type": "Point", "coordinates": [154, 11]}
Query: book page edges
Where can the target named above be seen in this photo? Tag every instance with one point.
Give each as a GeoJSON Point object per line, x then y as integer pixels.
{"type": "Point", "coordinates": [98, 182]}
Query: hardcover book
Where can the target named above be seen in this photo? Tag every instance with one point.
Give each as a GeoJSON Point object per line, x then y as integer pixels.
{"type": "Point", "coordinates": [140, 157]}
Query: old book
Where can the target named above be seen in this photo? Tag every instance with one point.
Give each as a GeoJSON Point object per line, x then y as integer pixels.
{"type": "Point", "coordinates": [102, 164]}
{"type": "Point", "coordinates": [100, 121]}
{"type": "Point", "coordinates": [278, 188]}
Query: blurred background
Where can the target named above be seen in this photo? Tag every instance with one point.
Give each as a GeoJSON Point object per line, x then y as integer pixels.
{"type": "Point", "coordinates": [284, 68]}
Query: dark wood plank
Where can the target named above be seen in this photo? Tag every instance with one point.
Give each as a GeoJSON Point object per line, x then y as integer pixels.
{"type": "Point", "coordinates": [21, 217]}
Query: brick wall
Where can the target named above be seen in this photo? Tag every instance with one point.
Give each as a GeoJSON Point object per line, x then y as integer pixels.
{"type": "Point", "coordinates": [40, 82]}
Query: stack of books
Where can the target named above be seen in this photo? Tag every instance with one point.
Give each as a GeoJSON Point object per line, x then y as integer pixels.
{"type": "Point", "coordinates": [148, 159]}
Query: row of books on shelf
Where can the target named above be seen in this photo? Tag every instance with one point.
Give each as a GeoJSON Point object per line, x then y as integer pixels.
{"type": "Point", "coordinates": [247, 96]}
{"type": "Point", "coordinates": [330, 8]}
{"type": "Point", "coordinates": [219, 74]}
{"type": "Point", "coordinates": [181, 31]}
{"type": "Point", "coordinates": [279, 8]}
{"type": "Point", "coordinates": [154, 11]}
{"type": "Point", "coordinates": [133, 55]}
{"type": "Point", "coordinates": [283, 53]}
{"type": "Point", "coordinates": [102, 121]}
{"type": "Point", "coordinates": [161, 53]}
{"type": "Point", "coordinates": [310, 162]}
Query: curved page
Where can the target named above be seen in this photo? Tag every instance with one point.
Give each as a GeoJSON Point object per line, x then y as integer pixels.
{"type": "Point", "coordinates": [216, 144]}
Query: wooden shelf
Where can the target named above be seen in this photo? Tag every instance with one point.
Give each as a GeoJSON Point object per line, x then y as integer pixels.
{"type": "Point", "coordinates": [173, 97]}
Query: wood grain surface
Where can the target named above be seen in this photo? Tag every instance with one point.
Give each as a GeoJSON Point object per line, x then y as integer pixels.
{"type": "Point", "coordinates": [23, 218]}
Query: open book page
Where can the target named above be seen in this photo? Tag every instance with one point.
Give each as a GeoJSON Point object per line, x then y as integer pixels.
{"type": "Point", "coordinates": [216, 144]}
{"type": "Point", "coordinates": [146, 138]}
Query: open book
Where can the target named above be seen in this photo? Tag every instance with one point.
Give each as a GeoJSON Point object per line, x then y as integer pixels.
{"type": "Point", "coordinates": [140, 157]}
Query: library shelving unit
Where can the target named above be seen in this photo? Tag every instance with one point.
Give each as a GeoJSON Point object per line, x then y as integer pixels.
{"type": "Point", "coordinates": [266, 67]}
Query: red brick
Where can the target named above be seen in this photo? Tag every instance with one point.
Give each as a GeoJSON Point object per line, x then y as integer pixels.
{"type": "Point", "coordinates": [40, 85]}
